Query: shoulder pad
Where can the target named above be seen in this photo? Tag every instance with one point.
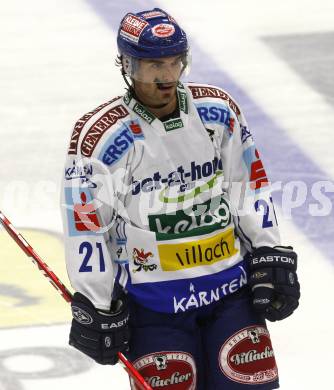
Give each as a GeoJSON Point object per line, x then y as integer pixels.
{"type": "Point", "coordinates": [206, 91]}
{"type": "Point", "coordinates": [90, 127]}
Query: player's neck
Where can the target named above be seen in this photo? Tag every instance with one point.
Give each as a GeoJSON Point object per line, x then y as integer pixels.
{"type": "Point", "coordinates": [165, 110]}
{"type": "Point", "coordinates": [155, 109]}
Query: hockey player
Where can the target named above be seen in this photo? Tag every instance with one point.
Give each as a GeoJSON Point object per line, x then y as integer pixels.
{"type": "Point", "coordinates": [171, 238]}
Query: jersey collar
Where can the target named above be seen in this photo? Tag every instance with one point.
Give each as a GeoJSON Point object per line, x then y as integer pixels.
{"type": "Point", "coordinates": [163, 127]}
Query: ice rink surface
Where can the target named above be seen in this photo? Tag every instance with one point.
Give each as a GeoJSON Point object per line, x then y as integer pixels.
{"type": "Point", "coordinates": [57, 62]}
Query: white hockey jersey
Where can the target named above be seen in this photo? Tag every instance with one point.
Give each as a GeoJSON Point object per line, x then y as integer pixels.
{"type": "Point", "coordinates": [167, 210]}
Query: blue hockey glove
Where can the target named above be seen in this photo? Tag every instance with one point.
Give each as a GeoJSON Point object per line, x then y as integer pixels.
{"type": "Point", "coordinates": [98, 334]}
{"type": "Point", "coordinates": [274, 282]}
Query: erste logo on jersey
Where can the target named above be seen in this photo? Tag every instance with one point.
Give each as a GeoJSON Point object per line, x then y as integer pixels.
{"type": "Point", "coordinates": [216, 114]}
{"type": "Point", "coordinates": [120, 142]}
{"type": "Point", "coordinates": [132, 27]}
{"type": "Point", "coordinates": [248, 357]}
{"type": "Point", "coordinates": [172, 370]}
{"type": "Point", "coordinates": [163, 30]}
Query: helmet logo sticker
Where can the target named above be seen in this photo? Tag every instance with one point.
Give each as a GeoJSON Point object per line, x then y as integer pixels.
{"type": "Point", "coordinates": [132, 27]}
{"type": "Point", "coordinates": [153, 14]}
{"type": "Point", "coordinates": [163, 30]}
{"type": "Point", "coordinates": [151, 34]}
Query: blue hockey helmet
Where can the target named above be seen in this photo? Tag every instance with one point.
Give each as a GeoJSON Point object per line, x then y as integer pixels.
{"type": "Point", "coordinates": [149, 35]}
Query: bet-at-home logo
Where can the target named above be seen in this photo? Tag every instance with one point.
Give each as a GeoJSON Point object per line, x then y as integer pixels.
{"type": "Point", "coordinates": [199, 219]}
{"type": "Point", "coordinates": [184, 178]}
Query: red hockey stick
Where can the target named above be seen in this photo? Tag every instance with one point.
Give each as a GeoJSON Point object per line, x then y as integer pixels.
{"type": "Point", "coordinates": [65, 293]}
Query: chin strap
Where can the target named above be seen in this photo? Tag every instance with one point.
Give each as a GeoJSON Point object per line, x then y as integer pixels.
{"type": "Point", "coordinates": [130, 86]}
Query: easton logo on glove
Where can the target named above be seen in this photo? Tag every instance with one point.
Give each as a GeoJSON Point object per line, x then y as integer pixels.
{"type": "Point", "coordinates": [100, 334]}
{"type": "Point", "coordinates": [273, 259]}
{"type": "Point", "coordinates": [274, 282]}
{"type": "Point", "coordinates": [118, 324]}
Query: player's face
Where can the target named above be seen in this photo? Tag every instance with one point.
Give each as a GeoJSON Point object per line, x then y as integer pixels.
{"type": "Point", "coordinates": [156, 79]}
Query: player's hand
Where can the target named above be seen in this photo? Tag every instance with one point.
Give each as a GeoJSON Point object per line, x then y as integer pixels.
{"type": "Point", "coordinates": [100, 335]}
{"type": "Point", "coordinates": [274, 282]}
